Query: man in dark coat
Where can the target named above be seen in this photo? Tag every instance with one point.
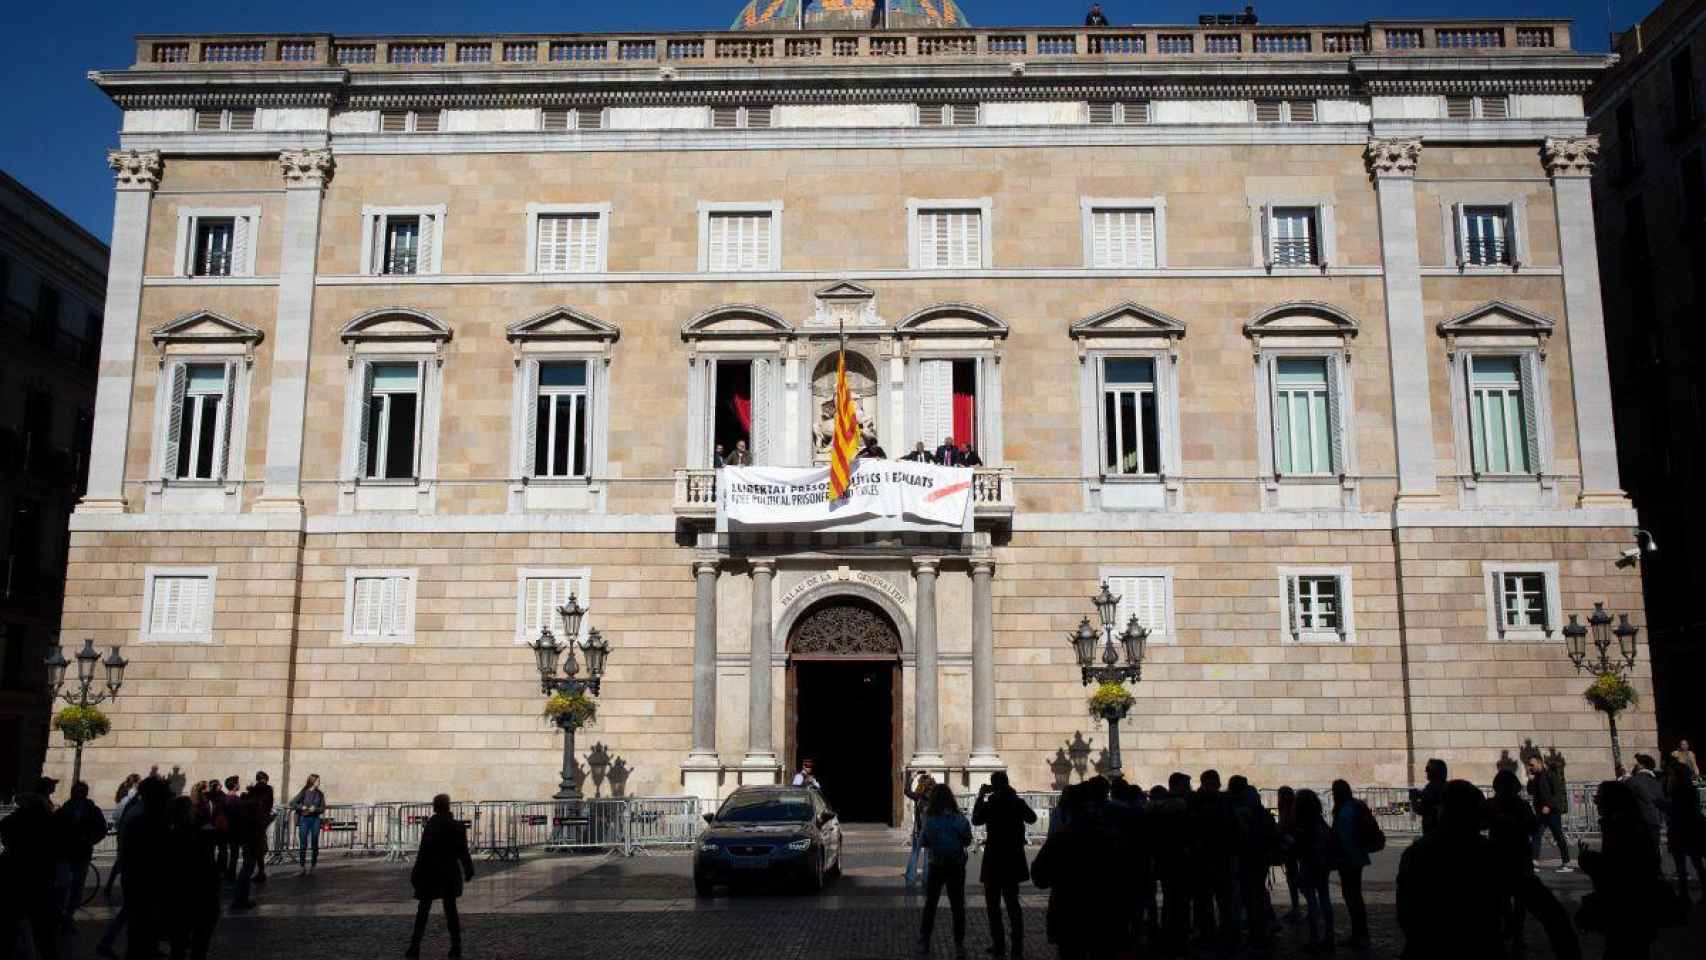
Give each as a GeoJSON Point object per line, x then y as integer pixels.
{"type": "Point", "coordinates": [26, 875]}
{"type": "Point", "coordinates": [147, 866]}
{"type": "Point", "coordinates": [947, 454]}
{"type": "Point", "coordinates": [1547, 791]}
{"type": "Point", "coordinates": [1003, 815]}
{"type": "Point", "coordinates": [441, 867]}
{"type": "Point", "coordinates": [79, 825]}
{"type": "Point", "coordinates": [192, 909]}
{"type": "Point", "coordinates": [1451, 890]}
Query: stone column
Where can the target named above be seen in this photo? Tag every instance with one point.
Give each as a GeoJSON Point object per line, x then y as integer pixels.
{"type": "Point", "coordinates": [927, 746]}
{"type": "Point", "coordinates": [1392, 165]}
{"type": "Point", "coordinates": [984, 757]}
{"type": "Point", "coordinates": [1569, 162]}
{"type": "Point", "coordinates": [701, 771]}
{"type": "Point", "coordinates": [306, 173]}
{"type": "Point", "coordinates": [759, 765]}
{"type": "Point", "coordinates": [137, 174]}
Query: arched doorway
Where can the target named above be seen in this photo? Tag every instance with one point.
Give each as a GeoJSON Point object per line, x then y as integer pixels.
{"type": "Point", "coordinates": [843, 705]}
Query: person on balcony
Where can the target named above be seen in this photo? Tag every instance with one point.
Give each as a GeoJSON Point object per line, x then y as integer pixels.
{"type": "Point", "coordinates": [948, 455]}
{"type": "Point", "coordinates": [719, 457]}
{"type": "Point", "coordinates": [872, 450]}
{"type": "Point", "coordinates": [968, 455]}
{"type": "Point", "coordinates": [1095, 18]}
{"type": "Point", "coordinates": [919, 454]}
{"type": "Point", "coordinates": [738, 457]}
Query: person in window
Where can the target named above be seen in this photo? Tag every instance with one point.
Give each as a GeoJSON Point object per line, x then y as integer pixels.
{"type": "Point", "coordinates": [738, 457]}
{"type": "Point", "coordinates": [968, 455]}
{"type": "Point", "coordinates": [919, 454]}
{"type": "Point", "coordinates": [1095, 18]}
{"type": "Point", "coordinates": [948, 455]}
{"type": "Point", "coordinates": [873, 450]}
{"type": "Point", "coordinates": [719, 457]}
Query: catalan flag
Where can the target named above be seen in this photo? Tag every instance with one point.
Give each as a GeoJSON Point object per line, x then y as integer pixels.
{"type": "Point", "coordinates": [846, 445]}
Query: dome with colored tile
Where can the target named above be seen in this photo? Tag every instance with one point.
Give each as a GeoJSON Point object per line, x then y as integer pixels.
{"type": "Point", "coordinates": [848, 14]}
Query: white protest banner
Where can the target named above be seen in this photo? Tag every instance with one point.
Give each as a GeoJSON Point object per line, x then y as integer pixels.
{"type": "Point", "coordinates": [895, 494]}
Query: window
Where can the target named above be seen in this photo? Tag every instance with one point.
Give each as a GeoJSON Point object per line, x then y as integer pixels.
{"type": "Point", "coordinates": [1684, 109]}
{"type": "Point", "coordinates": [1306, 425]}
{"type": "Point", "coordinates": [739, 237]}
{"type": "Point", "coordinates": [730, 118]}
{"type": "Point", "coordinates": [1122, 238]}
{"type": "Point", "coordinates": [1467, 107]}
{"type": "Point", "coordinates": [379, 606]}
{"type": "Point", "coordinates": [216, 241]}
{"type": "Point", "coordinates": [948, 402]}
{"type": "Point", "coordinates": [950, 238]}
{"type": "Point", "coordinates": [559, 423]}
{"type": "Point", "coordinates": [1285, 111]}
{"type": "Point", "coordinates": [409, 121]}
{"type": "Point", "coordinates": [390, 421]}
{"type": "Point", "coordinates": [1628, 150]}
{"type": "Point", "coordinates": [1146, 594]}
{"type": "Point", "coordinates": [232, 120]}
{"type": "Point", "coordinates": [1293, 237]}
{"type": "Point", "coordinates": [569, 243]}
{"type": "Point", "coordinates": [538, 595]}
{"type": "Point", "coordinates": [1131, 429]}
{"type": "Point", "coordinates": [947, 114]}
{"type": "Point", "coordinates": [1693, 176]}
{"type": "Point", "coordinates": [1115, 112]}
{"type": "Point", "coordinates": [1501, 414]}
{"type": "Point", "coordinates": [198, 432]}
{"type": "Point", "coordinates": [1317, 604]}
{"type": "Point", "coordinates": [571, 118]}
{"type": "Point", "coordinates": [177, 605]}
{"type": "Point", "coordinates": [403, 241]}
{"type": "Point", "coordinates": [1485, 237]}
{"type": "Point", "coordinates": [1523, 600]}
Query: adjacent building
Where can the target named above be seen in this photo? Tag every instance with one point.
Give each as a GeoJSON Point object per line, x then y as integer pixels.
{"type": "Point", "coordinates": [1291, 334]}
{"type": "Point", "coordinates": [52, 284]}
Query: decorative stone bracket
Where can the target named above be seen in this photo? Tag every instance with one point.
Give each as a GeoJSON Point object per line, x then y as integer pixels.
{"type": "Point", "coordinates": [1392, 158]}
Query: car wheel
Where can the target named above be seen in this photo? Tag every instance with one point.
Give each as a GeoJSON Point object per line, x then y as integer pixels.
{"type": "Point", "coordinates": [702, 886]}
{"type": "Point", "coordinates": [814, 880]}
{"type": "Point", "coordinates": [834, 866]}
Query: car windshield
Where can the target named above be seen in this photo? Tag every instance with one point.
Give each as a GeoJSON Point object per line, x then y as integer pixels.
{"type": "Point", "coordinates": [765, 809]}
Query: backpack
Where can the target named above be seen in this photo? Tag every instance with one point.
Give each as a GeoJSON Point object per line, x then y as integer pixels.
{"type": "Point", "coordinates": [1370, 838]}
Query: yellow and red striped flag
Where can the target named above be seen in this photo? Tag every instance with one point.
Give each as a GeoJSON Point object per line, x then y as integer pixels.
{"type": "Point", "coordinates": [846, 445]}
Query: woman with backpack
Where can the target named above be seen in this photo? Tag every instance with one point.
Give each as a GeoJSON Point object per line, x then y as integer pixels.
{"type": "Point", "coordinates": [946, 835]}
{"type": "Point", "coordinates": [1356, 830]}
{"type": "Point", "coordinates": [1317, 851]}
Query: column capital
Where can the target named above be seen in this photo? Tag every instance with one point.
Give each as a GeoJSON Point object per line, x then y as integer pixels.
{"type": "Point", "coordinates": [1570, 156]}
{"type": "Point", "coordinates": [1396, 157]}
{"type": "Point", "coordinates": [135, 169]}
{"type": "Point", "coordinates": [764, 565]}
{"type": "Point", "coordinates": [926, 565]}
{"type": "Point", "coordinates": [702, 567]}
{"type": "Point", "coordinates": [304, 169]}
{"type": "Point", "coordinates": [983, 568]}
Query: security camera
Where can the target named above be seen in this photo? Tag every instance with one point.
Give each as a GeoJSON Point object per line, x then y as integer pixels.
{"type": "Point", "coordinates": [1632, 554]}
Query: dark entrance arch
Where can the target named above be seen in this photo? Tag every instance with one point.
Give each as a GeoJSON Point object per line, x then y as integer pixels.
{"type": "Point", "coordinates": [843, 705]}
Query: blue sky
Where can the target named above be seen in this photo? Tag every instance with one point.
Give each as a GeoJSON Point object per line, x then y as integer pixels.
{"type": "Point", "coordinates": [58, 127]}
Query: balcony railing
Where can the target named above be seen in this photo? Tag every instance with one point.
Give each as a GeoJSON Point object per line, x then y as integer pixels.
{"type": "Point", "coordinates": [992, 493]}
{"type": "Point", "coordinates": [603, 51]}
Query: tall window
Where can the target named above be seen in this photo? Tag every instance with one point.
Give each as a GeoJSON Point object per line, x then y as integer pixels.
{"type": "Point", "coordinates": [380, 606]}
{"type": "Point", "coordinates": [1522, 601]}
{"type": "Point", "coordinates": [1486, 233]}
{"type": "Point", "coordinates": [402, 246]}
{"type": "Point", "coordinates": [950, 239]}
{"type": "Point", "coordinates": [1500, 416]}
{"type": "Point", "coordinates": [215, 239]}
{"type": "Point", "coordinates": [200, 420]}
{"type": "Point", "coordinates": [1122, 238]}
{"type": "Point", "coordinates": [568, 243]}
{"type": "Point", "coordinates": [1303, 417]}
{"type": "Point", "coordinates": [391, 421]}
{"type": "Point", "coordinates": [561, 420]}
{"type": "Point", "coordinates": [1293, 239]}
{"type": "Point", "coordinates": [1131, 433]}
{"type": "Point", "coordinates": [739, 241]}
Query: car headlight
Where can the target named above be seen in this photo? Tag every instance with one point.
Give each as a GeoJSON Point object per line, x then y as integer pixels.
{"type": "Point", "coordinates": [709, 847]}
{"type": "Point", "coordinates": [804, 843]}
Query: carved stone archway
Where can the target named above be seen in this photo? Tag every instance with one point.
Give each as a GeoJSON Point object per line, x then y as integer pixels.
{"type": "Point", "coordinates": [845, 629]}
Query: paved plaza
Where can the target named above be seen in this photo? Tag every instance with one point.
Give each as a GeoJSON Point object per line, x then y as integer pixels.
{"type": "Point", "coordinates": [643, 907]}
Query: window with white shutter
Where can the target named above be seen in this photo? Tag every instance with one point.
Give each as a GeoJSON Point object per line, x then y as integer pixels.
{"type": "Point", "coordinates": [409, 121]}
{"type": "Point", "coordinates": [1122, 238]}
{"type": "Point", "coordinates": [1293, 237]}
{"type": "Point", "coordinates": [568, 243]}
{"type": "Point", "coordinates": [1484, 235]}
{"type": "Point", "coordinates": [1317, 604]}
{"type": "Point", "coordinates": [391, 420]}
{"type": "Point", "coordinates": [402, 241]}
{"type": "Point", "coordinates": [1468, 107]}
{"type": "Point", "coordinates": [237, 119]}
{"type": "Point", "coordinates": [178, 605]}
{"type": "Point", "coordinates": [199, 420]}
{"type": "Point", "coordinates": [539, 592]}
{"type": "Point", "coordinates": [1523, 601]}
{"type": "Point", "coordinates": [739, 241]}
{"type": "Point", "coordinates": [380, 606]}
{"type": "Point", "coordinates": [1116, 112]}
{"type": "Point", "coordinates": [216, 241]}
{"type": "Point", "coordinates": [1146, 594]}
{"type": "Point", "coordinates": [754, 117]}
{"type": "Point", "coordinates": [950, 239]}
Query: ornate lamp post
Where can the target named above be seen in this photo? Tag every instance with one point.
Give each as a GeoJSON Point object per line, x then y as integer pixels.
{"type": "Point", "coordinates": [87, 659]}
{"type": "Point", "coordinates": [1610, 692]}
{"type": "Point", "coordinates": [545, 652]}
{"type": "Point", "coordinates": [1110, 671]}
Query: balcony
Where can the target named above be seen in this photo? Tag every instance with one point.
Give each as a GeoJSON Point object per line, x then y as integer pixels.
{"type": "Point", "coordinates": [992, 494]}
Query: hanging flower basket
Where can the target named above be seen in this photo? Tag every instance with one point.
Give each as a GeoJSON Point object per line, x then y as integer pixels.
{"type": "Point", "coordinates": [1610, 694]}
{"type": "Point", "coordinates": [1110, 697]}
{"type": "Point", "coordinates": [82, 724]}
{"type": "Point", "coordinates": [572, 710]}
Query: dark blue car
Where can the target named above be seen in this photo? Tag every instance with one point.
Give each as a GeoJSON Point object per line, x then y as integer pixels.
{"type": "Point", "coordinates": [768, 833]}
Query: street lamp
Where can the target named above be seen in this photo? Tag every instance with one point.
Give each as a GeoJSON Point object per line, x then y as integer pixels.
{"type": "Point", "coordinates": [1603, 663]}
{"type": "Point", "coordinates": [87, 660]}
{"type": "Point", "coordinates": [546, 649]}
{"type": "Point", "coordinates": [1132, 640]}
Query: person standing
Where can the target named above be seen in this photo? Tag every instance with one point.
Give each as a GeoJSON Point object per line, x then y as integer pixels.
{"type": "Point", "coordinates": [441, 867]}
{"type": "Point", "coordinates": [26, 876]}
{"type": "Point", "coordinates": [1685, 828]}
{"type": "Point", "coordinates": [1547, 793]}
{"type": "Point", "coordinates": [1624, 871]}
{"type": "Point", "coordinates": [147, 866]}
{"type": "Point", "coordinates": [1286, 806]}
{"type": "Point", "coordinates": [231, 801]}
{"type": "Point", "coordinates": [192, 910]}
{"type": "Point", "coordinates": [919, 454]}
{"type": "Point", "coordinates": [264, 804]}
{"type": "Point", "coordinates": [1428, 801]}
{"type": "Point", "coordinates": [1348, 814]}
{"type": "Point", "coordinates": [1684, 754]}
{"type": "Point", "coordinates": [947, 454]}
{"type": "Point", "coordinates": [1317, 850]}
{"type": "Point", "coordinates": [1258, 840]}
{"type": "Point", "coordinates": [1169, 826]}
{"type": "Point", "coordinates": [804, 777]}
{"type": "Point", "coordinates": [79, 825]}
{"type": "Point", "coordinates": [919, 793]}
{"type": "Point", "coordinates": [128, 810]}
{"type": "Point", "coordinates": [1095, 18]}
{"type": "Point", "coordinates": [946, 836]}
{"type": "Point", "coordinates": [1649, 794]}
{"type": "Point", "coordinates": [309, 804]}
{"type": "Point", "coordinates": [250, 829]}
{"type": "Point", "coordinates": [1003, 814]}
{"type": "Point", "coordinates": [1510, 825]}
{"type": "Point", "coordinates": [968, 455]}
{"type": "Point", "coordinates": [1450, 889]}
{"type": "Point", "coordinates": [738, 457]}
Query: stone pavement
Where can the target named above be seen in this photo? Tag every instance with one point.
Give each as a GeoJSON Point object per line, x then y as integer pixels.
{"type": "Point", "coordinates": [596, 907]}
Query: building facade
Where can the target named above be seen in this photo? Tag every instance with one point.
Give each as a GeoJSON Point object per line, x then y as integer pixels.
{"type": "Point", "coordinates": [1291, 334]}
{"type": "Point", "coordinates": [52, 281]}
{"type": "Point", "coordinates": [1649, 112]}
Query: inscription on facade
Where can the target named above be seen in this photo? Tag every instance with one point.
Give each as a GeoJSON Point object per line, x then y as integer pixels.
{"type": "Point", "coordinates": [843, 574]}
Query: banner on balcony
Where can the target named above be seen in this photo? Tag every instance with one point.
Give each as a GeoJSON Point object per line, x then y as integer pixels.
{"type": "Point", "coordinates": [884, 495]}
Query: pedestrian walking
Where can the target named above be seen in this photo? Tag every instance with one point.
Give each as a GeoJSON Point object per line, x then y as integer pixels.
{"type": "Point", "coordinates": [309, 805]}
{"type": "Point", "coordinates": [78, 825]}
{"type": "Point", "coordinates": [917, 864]}
{"type": "Point", "coordinates": [129, 809]}
{"type": "Point", "coordinates": [1003, 814]}
{"type": "Point", "coordinates": [1317, 854]}
{"type": "Point", "coordinates": [1551, 801]}
{"type": "Point", "coordinates": [1685, 828]}
{"type": "Point", "coordinates": [946, 836]}
{"type": "Point", "coordinates": [1359, 835]}
{"type": "Point", "coordinates": [192, 905]}
{"type": "Point", "coordinates": [231, 803]}
{"type": "Point", "coordinates": [441, 867]}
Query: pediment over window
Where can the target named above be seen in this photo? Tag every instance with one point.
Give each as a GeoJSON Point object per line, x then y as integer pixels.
{"type": "Point", "coordinates": [394, 328]}
{"type": "Point", "coordinates": [952, 320]}
{"type": "Point", "coordinates": [845, 303]}
{"type": "Point", "coordinates": [205, 329]}
{"type": "Point", "coordinates": [561, 327]}
{"type": "Point", "coordinates": [737, 320]}
{"type": "Point", "coordinates": [1308, 321]}
{"type": "Point", "coordinates": [1128, 325]}
{"type": "Point", "coordinates": [1498, 322]}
